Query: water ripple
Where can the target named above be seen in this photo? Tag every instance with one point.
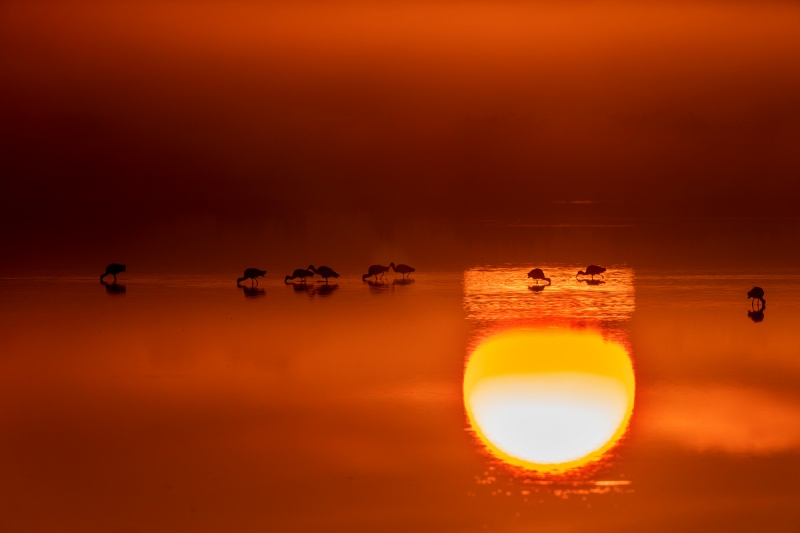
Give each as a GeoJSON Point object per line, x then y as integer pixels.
{"type": "Point", "coordinates": [504, 293]}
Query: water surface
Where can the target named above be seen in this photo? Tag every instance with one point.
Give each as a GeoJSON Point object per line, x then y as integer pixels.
{"type": "Point", "coordinates": [185, 403]}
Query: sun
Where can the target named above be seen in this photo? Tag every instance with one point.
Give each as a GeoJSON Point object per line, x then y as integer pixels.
{"type": "Point", "coordinates": [549, 399]}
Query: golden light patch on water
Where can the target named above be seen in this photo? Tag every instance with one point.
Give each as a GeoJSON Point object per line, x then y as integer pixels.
{"type": "Point", "coordinates": [716, 418]}
{"type": "Point", "coordinates": [506, 293]}
{"type": "Point", "coordinates": [549, 399]}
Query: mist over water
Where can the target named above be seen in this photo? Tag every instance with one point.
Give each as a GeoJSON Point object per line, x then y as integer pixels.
{"type": "Point", "coordinates": [225, 135]}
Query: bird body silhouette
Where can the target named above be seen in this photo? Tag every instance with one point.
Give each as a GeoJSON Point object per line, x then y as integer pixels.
{"type": "Point", "coordinates": [538, 274]}
{"type": "Point", "coordinates": [374, 270]}
{"type": "Point", "coordinates": [299, 273]}
{"type": "Point", "coordinates": [757, 293]}
{"type": "Point", "coordinates": [592, 270]}
{"type": "Point", "coordinates": [252, 274]}
{"type": "Point", "coordinates": [323, 271]}
{"type": "Point", "coordinates": [113, 269]}
{"type": "Point", "coordinates": [403, 269]}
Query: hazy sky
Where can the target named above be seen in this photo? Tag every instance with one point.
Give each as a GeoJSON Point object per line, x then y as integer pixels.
{"type": "Point", "coordinates": [117, 121]}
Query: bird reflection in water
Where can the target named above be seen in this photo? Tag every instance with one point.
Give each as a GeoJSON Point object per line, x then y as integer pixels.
{"type": "Point", "coordinates": [252, 292]}
{"type": "Point", "coordinates": [536, 288]}
{"type": "Point", "coordinates": [403, 281]}
{"type": "Point", "coordinates": [325, 289]}
{"type": "Point", "coordinates": [591, 281]}
{"type": "Point", "coordinates": [300, 287]}
{"type": "Point", "coordinates": [757, 315]}
{"type": "Point", "coordinates": [378, 287]}
{"type": "Point", "coordinates": [113, 289]}
{"type": "Point", "coordinates": [321, 288]}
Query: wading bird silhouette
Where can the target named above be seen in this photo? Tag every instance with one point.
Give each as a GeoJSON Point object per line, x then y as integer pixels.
{"type": "Point", "coordinates": [592, 270]}
{"type": "Point", "coordinates": [374, 270]}
{"type": "Point", "coordinates": [757, 293]}
{"type": "Point", "coordinates": [538, 274]}
{"type": "Point", "coordinates": [252, 274]}
{"type": "Point", "coordinates": [323, 271]}
{"type": "Point", "coordinates": [405, 270]}
{"type": "Point", "coordinates": [113, 269]}
{"type": "Point", "coordinates": [299, 273]}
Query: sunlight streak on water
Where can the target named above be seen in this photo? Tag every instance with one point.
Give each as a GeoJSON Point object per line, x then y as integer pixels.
{"type": "Point", "coordinates": [503, 293]}
{"type": "Point", "coordinates": [533, 390]}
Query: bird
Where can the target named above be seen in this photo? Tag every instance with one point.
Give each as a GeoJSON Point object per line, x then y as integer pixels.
{"type": "Point", "coordinates": [252, 274]}
{"type": "Point", "coordinates": [299, 273]}
{"type": "Point", "coordinates": [538, 274]}
{"type": "Point", "coordinates": [757, 293]}
{"type": "Point", "coordinates": [323, 271]}
{"type": "Point", "coordinates": [113, 269]}
{"type": "Point", "coordinates": [403, 269]}
{"type": "Point", "coordinates": [592, 270]}
{"type": "Point", "coordinates": [374, 270]}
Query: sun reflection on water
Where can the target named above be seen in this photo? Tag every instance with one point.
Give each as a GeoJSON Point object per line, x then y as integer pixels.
{"type": "Point", "coordinates": [548, 383]}
{"type": "Point", "coordinates": [549, 400]}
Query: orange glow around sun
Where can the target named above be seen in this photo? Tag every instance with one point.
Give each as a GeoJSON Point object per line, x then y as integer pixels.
{"type": "Point", "coordinates": [549, 399]}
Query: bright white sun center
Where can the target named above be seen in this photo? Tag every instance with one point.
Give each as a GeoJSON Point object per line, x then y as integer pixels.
{"type": "Point", "coordinates": [549, 400]}
{"type": "Point", "coordinates": [549, 418]}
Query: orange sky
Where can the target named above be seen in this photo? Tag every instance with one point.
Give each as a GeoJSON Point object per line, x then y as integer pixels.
{"type": "Point", "coordinates": [121, 121]}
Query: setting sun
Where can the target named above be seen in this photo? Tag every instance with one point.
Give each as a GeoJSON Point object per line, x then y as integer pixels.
{"type": "Point", "coordinates": [549, 399]}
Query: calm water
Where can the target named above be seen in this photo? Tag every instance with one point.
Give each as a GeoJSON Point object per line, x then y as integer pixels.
{"type": "Point", "coordinates": [188, 404]}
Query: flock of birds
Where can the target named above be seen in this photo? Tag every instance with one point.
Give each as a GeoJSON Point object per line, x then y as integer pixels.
{"type": "Point", "coordinates": [324, 272]}
{"type": "Point", "coordinates": [300, 274]}
{"type": "Point", "coordinates": [537, 274]}
{"type": "Point", "coordinates": [378, 271]}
